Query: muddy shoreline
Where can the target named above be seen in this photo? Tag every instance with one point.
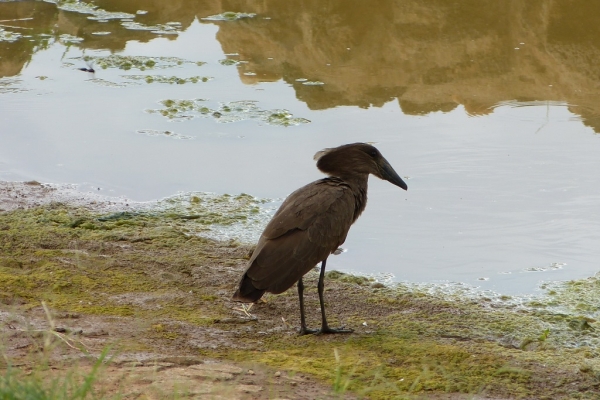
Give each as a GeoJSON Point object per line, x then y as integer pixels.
{"type": "Point", "coordinates": [25, 195]}
{"type": "Point", "coordinates": [157, 296]}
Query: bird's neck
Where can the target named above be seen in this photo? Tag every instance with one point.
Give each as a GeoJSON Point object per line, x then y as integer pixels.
{"type": "Point", "coordinates": [359, 185]}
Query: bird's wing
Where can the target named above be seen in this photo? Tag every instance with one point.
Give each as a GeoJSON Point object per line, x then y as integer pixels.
{"type": "Point", "coordinates": [302, 207]}
{"type": "Point", "coordinates": [310, 224]}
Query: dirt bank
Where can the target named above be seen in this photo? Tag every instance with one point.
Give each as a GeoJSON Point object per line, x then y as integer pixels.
{"type": "Point", "coordinates": [134, 284]}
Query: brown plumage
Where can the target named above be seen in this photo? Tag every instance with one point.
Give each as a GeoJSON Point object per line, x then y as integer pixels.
{"type": "Point", "coordinates": [312, 223]}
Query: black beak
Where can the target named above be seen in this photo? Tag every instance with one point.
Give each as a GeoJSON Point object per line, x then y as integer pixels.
{"type": "Point", "coordinates": [388, 173]}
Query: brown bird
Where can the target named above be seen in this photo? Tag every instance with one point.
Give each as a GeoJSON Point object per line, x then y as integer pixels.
{"type": "Point", "coordinates": [312, 223]}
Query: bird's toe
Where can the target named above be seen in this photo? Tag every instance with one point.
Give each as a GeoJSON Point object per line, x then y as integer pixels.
{"type": "Point", "coordinates": [328, 330]}
{"type": "Point", "coordinates": [305, 331]}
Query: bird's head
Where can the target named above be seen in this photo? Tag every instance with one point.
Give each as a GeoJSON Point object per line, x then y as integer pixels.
{"type": "Point", "coordinates": [357, 159]}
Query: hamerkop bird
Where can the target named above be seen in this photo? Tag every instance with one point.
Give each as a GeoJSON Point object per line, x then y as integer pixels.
{"type": "Point", "coordinates": [312, 223]}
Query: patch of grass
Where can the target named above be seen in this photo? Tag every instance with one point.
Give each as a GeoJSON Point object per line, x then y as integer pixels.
{"type": "Point", "coordinates": [384, 366]}
{"type": "Point", "coordinates": [37, 385]}
{"type": "Point", "coordinates": [39, 382]}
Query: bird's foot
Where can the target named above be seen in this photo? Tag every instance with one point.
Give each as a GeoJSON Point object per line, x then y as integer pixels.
{"type": "Point", "coordinates": [305, 331]}
{"type": "Point", "coordinates": [328, 330]}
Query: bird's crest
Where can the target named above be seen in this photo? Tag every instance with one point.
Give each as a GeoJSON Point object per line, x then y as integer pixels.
{"type": "Point", "coordinates": [321, 153]}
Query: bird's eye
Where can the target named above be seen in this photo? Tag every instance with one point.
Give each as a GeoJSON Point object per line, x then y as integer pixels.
{"type": "Point", "coordinates": [373, 153]}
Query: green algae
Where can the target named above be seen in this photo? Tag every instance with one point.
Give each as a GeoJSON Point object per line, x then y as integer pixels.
{"type": "Point", "coordinates": [213, 210]}
{"type": "Point", "coordinates": [349, 278]}
{"type": "Point", "coordinates": [173, 28]}
{"type": "Point", "coordinates": [66, 258]}
{"type": "Point", "coordinates": [67, 38]}
{"type": "Point", "coordinates": [105, 83]}
{"type": "Point", "coordinates": [170, 134]}
{"type": "Point", "coordinates": [127, 20]}
{"type": "Point", "coordinates": [229, 16]}
{"type": "Point", "coordinates": [575, 297]}
{"type": "Point", "coordinates": [92, 10]}
{"type": "Point", "coordinates": [141, 63]}
{"type": "Point", "coordinates": [230, 61]}
{"type": "Point", "coordinates": [9, 36]}
{"type": "Point", "coordinates": [313, 83]}
{"type": "Point", "coordinates": [167, 79]}
{"type": "Point", "coordinates": [234, 111]}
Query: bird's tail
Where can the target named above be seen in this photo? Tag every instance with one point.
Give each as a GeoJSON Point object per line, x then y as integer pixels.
{"type": "Point", "coordinates": [247, 293]}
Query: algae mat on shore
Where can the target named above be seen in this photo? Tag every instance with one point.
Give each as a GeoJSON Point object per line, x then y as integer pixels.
{"type": "Point", "coordinates": [153, 286]}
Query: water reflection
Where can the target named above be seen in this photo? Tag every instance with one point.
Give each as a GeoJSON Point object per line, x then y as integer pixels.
{"type": "Point", "coordinates": [427, 56]}
{"type": "Point", "coordinates": [481, 102]}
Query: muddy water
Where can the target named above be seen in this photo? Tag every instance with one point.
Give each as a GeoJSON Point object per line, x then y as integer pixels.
{"type": "Point", "coordinates": [492, 111]}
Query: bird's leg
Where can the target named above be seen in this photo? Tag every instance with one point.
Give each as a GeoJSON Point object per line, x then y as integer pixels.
{"type": "Point", "coordinates": [303, 329]}
{"type": "Point", "coordinates": [324, 326]}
